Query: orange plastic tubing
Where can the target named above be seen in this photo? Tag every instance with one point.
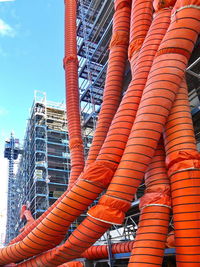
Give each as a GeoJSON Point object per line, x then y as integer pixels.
{"type": "Point", "coordinates": [114, 77]}
{"type": "Point", "coordinates": [125, 184]}
{"type": "Point", "coordinates": [141, 19]}
{"type": "Point", "coordinates": [73, 112]}
{"type": "Point", "coordinates": [179, 131]}
{"type": "Point", "coordinates": [159, 94]}
{"type": "Point", "coordinates": [121, 125]}
{"type": "Point", "coordinates": [123, 121]}
{"type": "Point", "coordinates": [155, 206]}
{"type": "Point", "coordinates": [183, 161]}
{"type": "Point", "coordinates": [73, 264]}
{"type": "Point", "coordinates": [49, 231]}
{"type": "Point", "coordinates": [94, 167]}
{"type": "Point", "coordinates": [101, 252]}
{"type": "Point", "coordinates": [166, 102]}
{"type": "Point", "coordinates": [82, 238]}
{"type": "Point", "coordinates": [72, 92]}
{"type": "Point", "coordinates": [30, 227]}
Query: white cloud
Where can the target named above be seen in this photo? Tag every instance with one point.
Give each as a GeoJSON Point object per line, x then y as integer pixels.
{"type": "Point", "coordinates": [6, 29]}
{"type": "Point", "coordinates": [7, 0]}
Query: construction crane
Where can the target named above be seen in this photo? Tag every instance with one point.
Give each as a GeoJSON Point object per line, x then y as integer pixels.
{"type": "Point", "coordinates": [11, 152]}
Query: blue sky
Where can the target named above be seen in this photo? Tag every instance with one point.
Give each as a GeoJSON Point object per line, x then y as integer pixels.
{"type": "Point", "coordinates": [31, 53]}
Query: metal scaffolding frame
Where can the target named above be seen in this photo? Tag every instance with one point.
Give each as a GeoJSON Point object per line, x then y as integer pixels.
{"type": "Point", "coordinates": [11, 152]}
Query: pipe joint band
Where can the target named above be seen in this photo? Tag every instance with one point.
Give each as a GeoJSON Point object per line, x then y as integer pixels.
{"type": "Point", "coordinates": [119, 4]}
{"type": "Point", "coordinates": [174, 50]}
{"type": "Point", "coordinates": [99, 173]}
{"type": "Point", "coordinates": [110, 210]}
{"type": "Point", "coordinates": [135, 46]}
{"type": "Point", "coordinates": [155, 199]}
{"type": "Point", "coordinates": [70, 59]}
{"type": "Point", "coordinates": [75, 143]}
{"type": "Point", "coordinates": [119, 39]}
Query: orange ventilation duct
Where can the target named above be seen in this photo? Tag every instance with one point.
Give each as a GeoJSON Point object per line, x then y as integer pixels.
{"type": "Point", "coordinates": [101, 252]}
{"type": "Point", "coordinates": [72, 92]}
{"type": "Point", "coordinates": [116, 139]}
{"type": "Point", "coordinates": [122, 123]}
{"type": "Point", "coordinates": [27, 215]}
{"type": "Point", "coordinates": [96, 171]}
{"type": "Point", "coordinates": [122, 189]}
{"type": "Point", "coordinates": [184, 170]}
{"type": "Point", "coordinates": [155, 206]}
{"type": "Point", "coordinates": [73, 264]}
{"type": "Point", "coordinates": [115, 75]}
{"type": "Point", "coordinates": [159, 94]}
{"type": "Point", "coordinates": [161, 85]}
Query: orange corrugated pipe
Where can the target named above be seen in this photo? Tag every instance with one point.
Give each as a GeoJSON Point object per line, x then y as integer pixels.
{"type": "Point", "coordinates": [123, 119]}
{"type": "Point", "coordinates": [73, 111]}
{"type": "Point", "coordinates": [133, 91]}
{"type": "Point", "coordinates": [116, 139]}
{"type": "Point", "coordinates": [89, 172]}
{"type": "Point", "coordinates": [72, 92]}
{"type": "Point", "coordinates": [98, 178]}
{"type": "Point", "coordinates": [123, 187]}
{"type": "Point", "coordinates": [115, 74]}
{"type": "Point", "coordinates": [159, 94]}
{"type": "Point", "coordinates": [155, 208]}
{"type": "Point", "coordinates": [66, 247]}
{"type": "Point", "coordinates": [164, 50]}
{"type": "Point", "coordinates": [73, 264]}
{"type": "Point", "coordinates": [183, 161]}
{"type": "Point", "coordinates": [25, 213]}
{"type": "Point", "coordinates": [101, 252]}
{"type": "Point", "coordinates": [118, 49]}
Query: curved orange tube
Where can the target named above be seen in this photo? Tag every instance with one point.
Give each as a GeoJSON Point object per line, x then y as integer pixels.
{"type": "Point", "coordinates": [93, 167]}
{"type": "Point", "coordinates": [73, 264]}
{"type": "Point", "coordinates": [73, 112]}
{"type": "Point", "coordinates": [162, 86]}
{"type": "Point", "coordinates": [72, 92]}
{"type": "Point", "coordinates": [101, 252]}
{"type": "Point", "coordinates": [82, 238]}
{"type": "Point", "coordinates": [141, 19]}
{"type": "Point", "coordinates": [155, 208]}
{"type": "Point", "coordinates": [122, 186]}
{"type": "Point", "coordinates": [115, 74]}
{"type": "Point", "coordinates": [121, 125]}
{"type": "Point", "coordinates": [48, 233]}
{"type": "Point", "coordinates": [165, 20]}
{"type": "Point", "coordinates": [183, 161]}
{"type": "Point", "coordinates": [179, 131]}
{"type": "Point", "coordinates": [167, 72]}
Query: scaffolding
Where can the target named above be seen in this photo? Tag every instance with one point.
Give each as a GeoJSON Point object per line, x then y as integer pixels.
{"type": "Point", "coordinates": [44, 167]}
{"type": "Point", "coordinates": [11, 152]}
